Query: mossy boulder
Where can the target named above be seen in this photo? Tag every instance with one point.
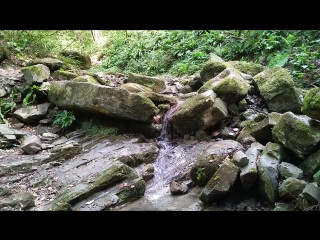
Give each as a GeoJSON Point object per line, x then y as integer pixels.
{"type": "Point", "coordinates": [211, 69]}
{"type": "Point", "coordinates": [156, 84]}
{"type": "Point", "coordinates": [158, 98]}
{"type": "Point", "coordinates": [276, 87]}
{"type": "Point", "coordinates": [99, 99]}
{"type": "Point", "coordinates": [228, 85]}
{"type": "Point", "coordinates": [311, 103]}
{"type": "Point", "coordinates": [80, 59]}
{"type": "Point", "coordinates": [86, 78]}
{"type": "Point", "coordinates": [35, 74]}
{"type": "Point", "coordinates": [4, 52]}
{"type": "Point", "coordinates": [198, 113]}
{"type": "Point", "coordinates": [220, 183]}
{"type": "Point", "coordinates": [247, 67]}
{"type": "Point", "coordinates": [64, 75]}
{"type": "Point", "coordinates": [52, 63]}
{"type": "Point", "coordinates": [296, 133]}
{"type": "Point", "coordinates": [311, 165]}
{"type": "Point", "coordinates": [291, 187]}
{"type": "Point", "coordinates": [209, 160]}
{"type": "Point", "coordinates": [268, 172]}
{"type": "Point", "coordinates": [260, 127]}
{"type": "Point", "coordinates": [107, 178]}
{"type": "Point", "coordinates": [135, 87]}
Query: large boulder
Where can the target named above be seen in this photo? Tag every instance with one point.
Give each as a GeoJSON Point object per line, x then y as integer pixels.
{"type": "Point", "coordinates": [296, 133]}
{"type": "Point", "coordinates": [311, 103]}
{"type": "Point", "coordinates": [260, 127]}
{"type": "Point", "coordinates": [80, 59]}
{"type": "Point", "coordinates": [228, 85]}
{"type": "Point", "coordinates": [32, 114]}
{"type": "Point", "coordinates": [209, 160]}
{"type": "Point", "coordinates": [247, 67]}
{"type": "Point", "coordinates": [291, 188]}
{"type": "Point", "coordinates": [198, 113]}
{"type": "Point", "coordinates": [135, 87]}
{"type": "Point", "coordinates": [220, 183]}
{"type": "Point", "coordinates": [156, 84]}
{"type": "Point", "coordinates": [277, 89]}
{"type": "Point", "coordinates": [52, 63]}
{"type": "Point", "coordinates": [111, 102]}
{"type": "Point", "coordinates": [64, 75]}
{"type": "Point", "coordinates": [4, 52]}
{"type": "Point", "coordinates": [35, 74]}
{"type": "Point", "coordinates": [249, 173]}
{"type": "Point", "coordinates": [268, 171]}
{"type": "Point", "coordinates": [86, 78]}
{"type": "Point", "coordinates": [211, 69]}
{"type": "Point", "coordinates": [311, 165]}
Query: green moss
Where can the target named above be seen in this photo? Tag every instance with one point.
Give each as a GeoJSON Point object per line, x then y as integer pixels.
{"type": "Point", "coordinates": [35, 70]}
{"type": "Point", "coordinates": [247, 67]}
{"type": "Point", "coordinates": [311, 100]}
{"type": "Point", "coordinates": [64, 75]}
{"type": "Point", "coordinates": [228, 88]}
{"type": "Point", "coordinates": [86, 78]}
{"type": "Point", "coordinates": [211, 69]}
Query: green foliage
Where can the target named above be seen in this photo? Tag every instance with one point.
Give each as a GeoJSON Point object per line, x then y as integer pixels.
{"type": "Point", "coordinates": [94, 129]}
{"type": "Point", "coordinates": [7, 106]}
{"type": "Point", "coordinates": [201, 174]}
{"type": "Point", "coordinates": [31, 95]}
{"type": "Point", "coordinates": [64, 118]}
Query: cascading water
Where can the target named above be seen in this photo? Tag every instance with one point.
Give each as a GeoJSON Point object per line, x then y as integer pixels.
{"type": "Point", "coordinates": [169, 159]}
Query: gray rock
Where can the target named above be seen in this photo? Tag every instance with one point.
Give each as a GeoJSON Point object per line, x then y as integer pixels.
{"type": "Point", "coordinates": [240, 159]}
{"type": "Point", "coordinates": [311, 165]}
{"type": "Point", "coordinates": [177, 188]}
{"type": "Point", "coordinates": [312, 193]}
{"type": "Point", "coordinates": [248, 175]}
{"type": "Point", "coordinates": [289, 170]}
{"type": "Point", "coordinates": [291, 188]}
{"type": "Point", "coordinates": [32, 114]}
{"type": "Point", "coordinates": [220, 183]}
{"type": "Point", "coordinates": [35, 74]}
{"type": "Point", "coordinates": [52, 63]}
{"type": "Point", "coordinates": [31, 145]}
{"type": "Point", "coordinates": [269, 174]}
{"type": "Point", "coordinates": [18, 201]}
{"type": "Point", "coordinates": [258, 146]}
{"type": "Point", "coordinates": [302, 203]}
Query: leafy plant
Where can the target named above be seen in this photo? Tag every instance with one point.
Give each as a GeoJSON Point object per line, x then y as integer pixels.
{"type": "Point", "coordinates": [7, 106]}
{"type": "Point", "coordinates": [64, 118]}
{"type": "Point", "coordinates": [31, 95]}
{"type": "Point", "coordinates": [201, 174]}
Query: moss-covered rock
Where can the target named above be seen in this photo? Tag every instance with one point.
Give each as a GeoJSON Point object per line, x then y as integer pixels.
{"type": "Point", "coordinates": [135, 87]}
{"type": "Point", "coordinates": [311, 103]}
{"type": "Point", "coordinates": [296, 133]}
{"type": "Point", "coordinates": [156, 84]}
{"type": "Point", "coordinates": [211, 69]}
{"type": "Point", "coordinates": [4, 52]}
{"type": "Point", "coordinates": [52, 63]}
{"type": "Point", "coordinates": [209, 160]}
{"type": "Point", "coordinates": [291, 188]}
{"type": "Point", "coordinates": [158, 98]}
{"type": "Point", "coordinates": [260, 127]}
{"type": "Point", "coordinates": [198, 113]}
{"type": "Point", "coordinates": [311, 165]}
{"type": "Point", "coordinates": [64, 75]}
{"type": "Point", "coordinates": [111, 102]}
{"type": "Point", "coordinates": [35, 74]}
{"type": "Point", "coordinates": [277, 89]}
{"type": "Point", "coordinates": [86, 78]}
{"type": "Point", "coordinates": [228, 85]}
{"type": "Point", "coordinates": [247, 67]}
{"type": "Point", "coordinates": [80, 59]}
{"type": "Point", "coordinates": [220, 183]}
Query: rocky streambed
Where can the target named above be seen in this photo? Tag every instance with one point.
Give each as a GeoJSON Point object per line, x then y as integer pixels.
{"type": "Point", "coordinates": [233, 138]}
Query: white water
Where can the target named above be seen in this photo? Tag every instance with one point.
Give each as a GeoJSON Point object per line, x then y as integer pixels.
{"type": "Point", "coordinates": [170, 158]}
